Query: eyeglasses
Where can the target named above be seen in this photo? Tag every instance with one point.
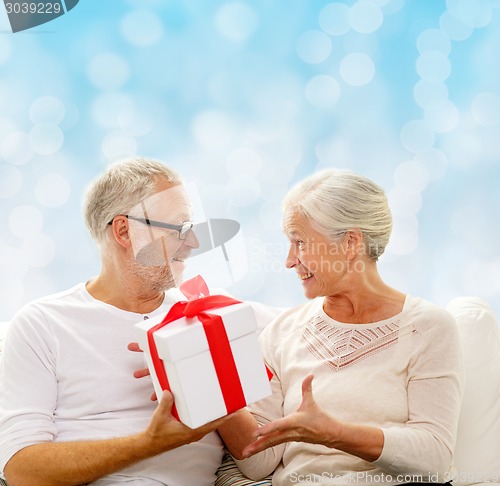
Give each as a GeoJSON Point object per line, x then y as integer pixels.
{"type": "Point", "coordinates": [183, 229]}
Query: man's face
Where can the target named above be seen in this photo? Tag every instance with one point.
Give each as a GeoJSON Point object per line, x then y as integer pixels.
{"type": "Point", "coordinates": [161, 233]}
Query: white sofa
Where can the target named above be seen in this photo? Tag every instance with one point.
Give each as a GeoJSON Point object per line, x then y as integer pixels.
{"type": "Point", "coordinates": [477, 455]}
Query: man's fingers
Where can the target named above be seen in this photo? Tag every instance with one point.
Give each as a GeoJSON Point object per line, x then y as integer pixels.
{"type": "Point", "coordinates": [166, 402]}
{"type": "Point", "coordinates": [141, 373]}
{"type": "Point", "coordinates": [134, 347]}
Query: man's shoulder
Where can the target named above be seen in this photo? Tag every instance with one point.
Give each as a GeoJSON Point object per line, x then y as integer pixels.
{"type": "Point", "coordinates": [63, 299]}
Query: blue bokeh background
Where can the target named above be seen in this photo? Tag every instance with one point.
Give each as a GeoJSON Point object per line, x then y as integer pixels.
{"type": "Point", "coordinates": [246, 98]}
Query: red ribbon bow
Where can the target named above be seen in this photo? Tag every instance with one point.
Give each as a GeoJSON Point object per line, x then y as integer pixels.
{"type": "Point", "coordinates": [218, 342]}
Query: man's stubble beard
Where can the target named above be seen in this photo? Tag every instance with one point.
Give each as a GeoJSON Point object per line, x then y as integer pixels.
{"type": "Point", "coordinates": [155, 278]}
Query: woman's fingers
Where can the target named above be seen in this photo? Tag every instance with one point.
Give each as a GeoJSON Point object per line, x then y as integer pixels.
{"type": "Point", "coordinates": [307, 392]}
{"type": "Point", "coordinates": [272, 428]}
{"type": "Point", "coordinates": [264, 442]}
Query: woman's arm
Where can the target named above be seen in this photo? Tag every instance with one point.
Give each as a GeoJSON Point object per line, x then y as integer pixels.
{"type": "Point", "coordinates": [311, 424]}
{"type": "Point", "coordinates": [238, 432]}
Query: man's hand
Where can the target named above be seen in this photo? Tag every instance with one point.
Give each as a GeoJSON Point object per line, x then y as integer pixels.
{"type": "Point", "coordinates": [165, 432]}
{"type": "Point", "coordinates": [143, 371]}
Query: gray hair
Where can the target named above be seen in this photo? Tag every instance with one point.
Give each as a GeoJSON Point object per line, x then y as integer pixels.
{"type": "Point", "coordinates": [336, 201]}
{"type": "Point", "coordinates": [123, 185]}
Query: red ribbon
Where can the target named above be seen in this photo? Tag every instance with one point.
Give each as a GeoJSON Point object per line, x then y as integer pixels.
{"type": "Point", "coordinates": [218, 343]}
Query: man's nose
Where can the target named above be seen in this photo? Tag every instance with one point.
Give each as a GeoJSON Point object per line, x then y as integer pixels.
{"type": "Point", "coordinates": [192, 240]}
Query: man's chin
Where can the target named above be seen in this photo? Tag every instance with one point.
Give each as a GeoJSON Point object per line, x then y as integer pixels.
{"type": "Point", "coordinates": [177, 267]}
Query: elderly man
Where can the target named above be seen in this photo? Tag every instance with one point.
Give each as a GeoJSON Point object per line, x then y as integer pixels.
{"type": "Point", "coordinates": [71, 412]}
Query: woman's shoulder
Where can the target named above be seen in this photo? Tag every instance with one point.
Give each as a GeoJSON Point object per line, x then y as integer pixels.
{"type": "Point", "coordinates": [292, 319]}
{"type": "Point", "coordinates": [425, 315]}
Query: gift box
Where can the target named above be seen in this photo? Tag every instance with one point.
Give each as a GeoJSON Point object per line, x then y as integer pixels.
{"type": "Point", "coordinates": [206, 352]}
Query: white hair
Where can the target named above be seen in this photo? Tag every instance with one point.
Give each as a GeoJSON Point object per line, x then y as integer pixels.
{"type": "Point", "coordinates": [336, 201]}
{"type": "Point", "coordinates": [123, 185]}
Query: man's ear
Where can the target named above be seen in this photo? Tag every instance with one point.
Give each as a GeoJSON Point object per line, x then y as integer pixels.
{"type": "Point", "coordinates": [120, 230]}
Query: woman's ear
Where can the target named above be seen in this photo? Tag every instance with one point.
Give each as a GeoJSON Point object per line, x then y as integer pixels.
{"type": "Point", "coordinates": [355, 244]}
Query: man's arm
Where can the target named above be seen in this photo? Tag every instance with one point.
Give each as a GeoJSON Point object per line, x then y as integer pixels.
{"type": "Point", "coordinates": [76, 463]}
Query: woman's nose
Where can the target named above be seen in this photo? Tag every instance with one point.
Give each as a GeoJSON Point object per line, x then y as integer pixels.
{"type": "Point", "coordinates": [291, 259]}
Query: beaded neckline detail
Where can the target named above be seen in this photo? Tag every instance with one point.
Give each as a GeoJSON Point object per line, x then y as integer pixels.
{"type": "Point", "coordinates": [340, 347]}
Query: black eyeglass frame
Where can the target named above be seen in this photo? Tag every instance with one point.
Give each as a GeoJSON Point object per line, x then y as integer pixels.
{"type": "Point", "coordinates": [183, 229]}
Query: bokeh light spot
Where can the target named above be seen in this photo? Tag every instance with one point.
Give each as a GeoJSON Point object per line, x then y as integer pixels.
{"type": "Point", "coordinates": [357, 69]}
{"type": "Point", "coordinates": [412, 176]}
{"type": "Point", "coordinates": [435, 161]}
{"type": "Point", "coordinates": [434, 66]}
{"type": "Point", "coordinates": [38, 250]}
{"type": "Point", "coordinates": [118, 145]}
{"type": "Point", "coordinates": [404, 203]}
{"type": "Point", "coordinates": [392, 6]}
{"type": "Point", "coordinates": [485, 109]}
{"type": "Point", "coordinates": [16, 148]}
{"type": "Point", "coordinates": [334, 19]}
{"type": "Point", "coordinates": [25, 221]}
{"type": "Point", "coordinates": [416, 136]}
{"type": "Point", "coordinates": [454, 28]}
{"type": "Point", "coordinates": [107, 108]}
{"type": "Point", "coordinates": [212, 129]}
{"type": "Point", "coordinates": [404, 238]}
{"type": "Point", "coordinates": [5, 49]}
{"type": "Point", "coordinates": [52, 190]}
{"type": "Point", "coordinates": [243, 190]}
{"type": "Point", "coordinates": [426, 92]}
{"type": "Point", "coordinates": [46, 138]}
{"type": "Point", "coordinates": [434, 40]}
{"type": "Point", "coordinates": [365, 17]}
{"type": "Point", "coordinates": [244, 161]}
{"type": "Point", "coordinates": [47, 109]}
{"type": "Point", "coordinates": [108, 71]}
{"type": "Point", "coordinates": [142, 28]}
{"type": "Point", "coordinates": [442, 116]}
{"type": "Point", "coordinates": [322, 91]}
{"type": "Point", "coordinates": [314, 46]}
{"type": "Point", "coordinates": [133, 121]}
{"type": "Point", "coordinates": [11, 181]}
{"type": "Point", "coordinates": [474, 13]}
{"type": "Point", "coordinates": [236, 21]}
{"type": "Point", "coordinates": [7, 125]}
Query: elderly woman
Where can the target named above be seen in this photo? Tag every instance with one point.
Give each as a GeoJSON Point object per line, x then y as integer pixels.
{"type": "Point", "coordinates": [384, 403]}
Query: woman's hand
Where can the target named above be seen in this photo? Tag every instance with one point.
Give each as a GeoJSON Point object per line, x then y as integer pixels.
{"type": "Point", "coordinates": [312, 424]}
{"type": "Point", "coordinates": [308, 424]}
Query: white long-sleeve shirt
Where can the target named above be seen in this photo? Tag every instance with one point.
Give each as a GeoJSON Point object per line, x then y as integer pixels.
{"type": "Point", "coordinates": [66, 375]}
{"type": "Point", "coordinates": [402, 375]}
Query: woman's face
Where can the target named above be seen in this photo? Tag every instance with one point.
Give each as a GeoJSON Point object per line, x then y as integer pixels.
{"type": "Point", "coordinates": [319, 261]}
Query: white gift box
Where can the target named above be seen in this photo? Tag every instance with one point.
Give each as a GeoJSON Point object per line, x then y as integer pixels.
{"type": "Point", "coordinates": [183, 347]}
